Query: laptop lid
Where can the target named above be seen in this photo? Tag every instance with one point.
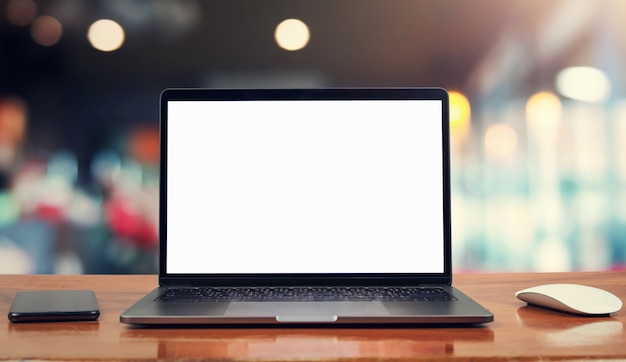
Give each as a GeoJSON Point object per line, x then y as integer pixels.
{"type": "Point", "coordinates": [316, 186]}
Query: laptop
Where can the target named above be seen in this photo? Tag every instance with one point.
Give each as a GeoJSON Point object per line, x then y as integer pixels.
{"type": "Point", "coordinates": [305, 206]}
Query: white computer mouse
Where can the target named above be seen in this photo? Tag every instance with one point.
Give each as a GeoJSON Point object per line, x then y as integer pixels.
{"type": "Point", "coordinates": [572, 298]}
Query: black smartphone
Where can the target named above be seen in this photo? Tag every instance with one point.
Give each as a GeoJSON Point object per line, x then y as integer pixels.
{"type": "Point", "coordinates": [54, 306]}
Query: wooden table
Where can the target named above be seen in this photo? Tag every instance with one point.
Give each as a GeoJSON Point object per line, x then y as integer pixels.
{"type": "Point", "coordinates": [519, 332]}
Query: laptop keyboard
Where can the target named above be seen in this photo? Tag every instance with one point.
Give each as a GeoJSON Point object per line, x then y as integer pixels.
{"type": "Point", "coordinates": [281, 294]}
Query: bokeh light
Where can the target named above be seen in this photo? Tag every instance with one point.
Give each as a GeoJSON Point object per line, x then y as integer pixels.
{"type": "Point", "coordinates": [106, 167]}
{"type": "Point", "coordinates": [537, 116]}
{"type": "Point", "coordinates": [585, 84]}
{"type": "Point", "coordinates": [292, 34]}
{"type": "Point", "coordinates": [500, 141]}
{"type": "Point", "coordinates": [13, 114]}
{"type": "Point", "coordinates": [46, 30]}
{"type": "Point", "coordinates": [63, 164]}
{"type": "Point", "coordinates": [14, 260]}
{"type": "Point", "coordinates": [106, 35]}
{"type": "Point", "coordinates": [460, 114]}
{"type": "Point", "coordinates": [552, 256]}
{"type": "Point", "coordinates": [543, 112]}
{"type": "Point", "coordinates": [143, 145]}
{"type": "Point", "coordinates": [9, 209]}
{"type": "Point", "coordinates": [21, 12]}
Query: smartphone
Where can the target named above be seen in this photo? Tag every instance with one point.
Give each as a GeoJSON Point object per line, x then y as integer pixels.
{"type": "Point", "coordinates": [54, 306]}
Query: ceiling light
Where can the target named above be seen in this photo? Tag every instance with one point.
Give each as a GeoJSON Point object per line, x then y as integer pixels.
{"type": "Point", "coordinates": [106, 35]}
{"type": "Point", "coordinates": [585, 84]}
{"type": "Point", "coordinates": [292, 34]}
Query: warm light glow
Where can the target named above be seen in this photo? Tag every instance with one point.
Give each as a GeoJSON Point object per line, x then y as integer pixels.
{"type": "Point", "coordinates": [106, 35]}
{"type": "Point", "coordinates": [585, 84]}
{"type": "Point", "coordinates": [144, 145]}
{"type": "Point", "coordinates": [46, 30]}
{"type": "Point", "coordinates": [13, 115]}
{"type": "Point", "coordinates": [292, 34]}
{"type": "Point", "coordinates": [543, 112]}
{"type": "Point", "coordinates": [500, 141]}
{"type": "Point", "coordinates": [21, 12]}
{"type": "Point", "coordinates": [460, 112]}
{"type": "Point", "coordinates": [12, 128]}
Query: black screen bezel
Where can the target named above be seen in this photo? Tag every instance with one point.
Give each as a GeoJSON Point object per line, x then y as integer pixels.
{"type": "Point", "coordinates": [196, 94]}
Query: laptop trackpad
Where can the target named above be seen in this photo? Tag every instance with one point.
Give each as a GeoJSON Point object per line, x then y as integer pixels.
{"type": "Point", "coordinates": [312, 309]}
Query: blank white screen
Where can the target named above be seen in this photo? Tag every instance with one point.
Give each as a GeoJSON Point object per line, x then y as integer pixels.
{"type": "Point", "coordinates": [304, 187]}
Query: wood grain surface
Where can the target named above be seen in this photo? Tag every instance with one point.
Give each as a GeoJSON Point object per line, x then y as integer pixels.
{"type": "Point", "coordinates": [519, 332]}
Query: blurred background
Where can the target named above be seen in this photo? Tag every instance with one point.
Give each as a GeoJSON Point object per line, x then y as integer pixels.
{"type": "Point", "coordinates": [538, 115]}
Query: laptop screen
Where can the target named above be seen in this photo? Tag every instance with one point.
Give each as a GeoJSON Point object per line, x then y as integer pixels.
{"type": "Point", "coordinates": [304, 186]}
